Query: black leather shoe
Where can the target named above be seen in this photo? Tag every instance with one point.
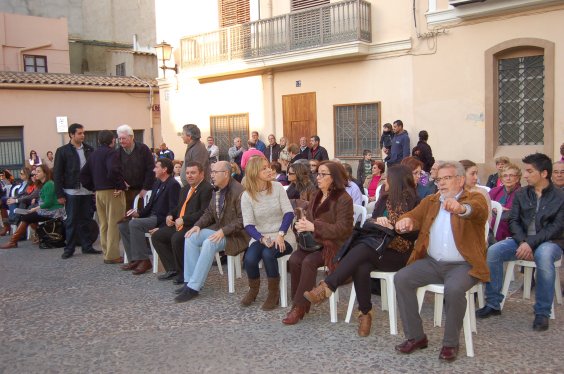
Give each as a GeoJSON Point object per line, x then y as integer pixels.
{"type": "Point", "coordinates": [487, 311]}
{"type": "Point", "coordinates": [180, 289]}
{"type": "Point", "coordinates": [540, 323]}
{"type": "Point", "coordinates": [178, 280]}
{"type": "Point", "coordinates": [92, 252]}
{"type": "Point", "coordinates": [66, 255]}
{"type": "Point", "coordinates": [167, 275]}
{"type": "Point", "coordinates": [186, 295]}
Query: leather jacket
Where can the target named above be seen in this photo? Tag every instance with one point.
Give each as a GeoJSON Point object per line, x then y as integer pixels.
{"type": "Point", "coordinates": [549, 219]}
{"type": "Point", "coordinates": [66, 172]}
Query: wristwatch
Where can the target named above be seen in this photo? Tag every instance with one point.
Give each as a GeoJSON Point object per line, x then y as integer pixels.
{"type": "Point", "coordinates": [281, 233]}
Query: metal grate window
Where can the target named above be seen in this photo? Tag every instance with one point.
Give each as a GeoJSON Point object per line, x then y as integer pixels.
{"type": "Point", "coordinates": [35, 64]}
{"type": "Point", "coordinates": [356, 129]}
{"type": "Point", "coordinates": [225, 128]}
{"type": "Point", "coordinates": [521, 101]}
{"type": "Point", "coordinates": [120, 70]}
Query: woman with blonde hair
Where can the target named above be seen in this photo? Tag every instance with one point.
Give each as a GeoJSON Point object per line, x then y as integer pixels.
{"type": "Point", "coordinates": [267, 216]}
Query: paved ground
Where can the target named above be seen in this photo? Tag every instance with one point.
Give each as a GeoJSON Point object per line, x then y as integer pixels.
{"type": "Point", "coordinates": [79, 315]}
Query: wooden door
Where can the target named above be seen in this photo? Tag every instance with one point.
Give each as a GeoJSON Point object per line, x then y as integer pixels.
{"type": "Point", "coordinates": [300, 116]}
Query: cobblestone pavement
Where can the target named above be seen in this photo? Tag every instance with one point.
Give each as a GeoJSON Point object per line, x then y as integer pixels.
{"type": "Point", "coordinates": [79, 316]}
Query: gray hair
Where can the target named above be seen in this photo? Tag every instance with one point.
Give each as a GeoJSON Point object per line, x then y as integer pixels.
{"type": "Point", "coordinates": [304, 161]}
{"type": "Point", "coordinates": [453, 164]}
{"type": "Point", "coordinates": [224, 166]}
{"type": "Point", "coordinates": [124, 130]}
{"type": "Point", "coordinates": [192, 131]}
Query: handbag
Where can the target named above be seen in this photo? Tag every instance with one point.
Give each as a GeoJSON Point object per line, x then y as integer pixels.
{"type": "Point", "coordinates": [305, 238]}
{"type": "Point", "coordinates": [51, 234]}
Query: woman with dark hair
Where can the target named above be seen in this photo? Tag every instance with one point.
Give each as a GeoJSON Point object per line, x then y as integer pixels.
{"type": "Point", "coordinates": [34, 159]}
{"type": "Point", "coordinates": [277, 174]}
{"type": "Point", "coordinates": [371, 182]}
{"type": "Point", "coordinates": [300, 186]}
{"type": "Point", "coordinates": [423, 151]}
{"type": "Point", "coordinates": [416, 167]}
{"type": "Point", "coordinates": [267, 216]}
{"type": "Point", "coordinates": [353, 188]}
{"type": "Point", "coordinates": [329, 217]}
{"type": "Point", "coordinates": [47, 209]}
{"type": "Point", "coordinates": [9, 204]}
{"type": "Point", "coordinates": [399, 197]}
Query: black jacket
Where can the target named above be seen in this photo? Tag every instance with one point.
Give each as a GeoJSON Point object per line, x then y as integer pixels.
{"type": "Point", "coordinates": [163, 202]}
{"type": "Point", "coordinates": [103, 171]}
{"type": "Point", "coordinates": [138, 167]}
{"type": "Point", "coordinates": [197, 204]}
{"type": "Point", "coordinates": [549, 220]}
{"type": "Point", "coordinates": [66, 171]}
{"type": "Point", "coordinates": [424, 153]}
{"type": "Point", "coordinates": [320, 154]}
{"type": "Point", "coordinates": [492, 180]}
{"type": "Point", "coordinates": [275, 152]}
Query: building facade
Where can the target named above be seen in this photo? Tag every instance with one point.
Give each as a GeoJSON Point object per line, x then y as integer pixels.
{"type": "Point", "coordinates": [480, 77]}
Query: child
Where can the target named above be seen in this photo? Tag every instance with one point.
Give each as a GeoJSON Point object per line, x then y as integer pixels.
{"type": "Point", "coordinates": [364, 166]}
{"type": "Point", "coordinates": [386, 141]}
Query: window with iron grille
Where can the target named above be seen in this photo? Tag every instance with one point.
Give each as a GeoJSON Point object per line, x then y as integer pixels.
{"type": "Point", "coordinates": [227, 127]}
{"type": "Point", "coordinates": [521, 100]}
{"type": "Point", "coordinates": [120, 70]}
{"type": "Point", "coordinates": [234, 12]}
{"type": "Point", "coordinates": [304, 4]}
{"type": "Point", "coordinates": [356, 128]}
{"type": "Point", "coordinates": [35, 64]}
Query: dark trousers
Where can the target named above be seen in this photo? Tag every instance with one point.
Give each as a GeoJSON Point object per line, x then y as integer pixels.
{"type": "Point", "coordinates": [358, 263]}
{"type": "Point", "coordinates": [79, 215]}
{"type": "Point", "coordinates": [269, 257]}
{"type": "Point", "coordinates": [33, 217]}
{"type": "Point", "coordinates": [169, 244]}
{"type": "Point", "coordinates": [454, 276]}
{"type": "Point", "coordinates": [303, 270]}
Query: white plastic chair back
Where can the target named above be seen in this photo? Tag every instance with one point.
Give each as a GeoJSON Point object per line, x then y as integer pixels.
{"type": "Point", "coordinates": [364, 200]}
{"type": "Point", "coordinates": [484, 187]}
{"type": "Point", "coordinates": [359, 214]}
{"type": "Point", "coordinates": [370, 208]}
{"type": "Point", "coordinates": [377, 194]}
{"type": "Point", "coordinates": [499, 210]}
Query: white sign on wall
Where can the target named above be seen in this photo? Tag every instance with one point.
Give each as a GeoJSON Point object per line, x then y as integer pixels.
{"type": "Point", "coordinates": [62, 124]}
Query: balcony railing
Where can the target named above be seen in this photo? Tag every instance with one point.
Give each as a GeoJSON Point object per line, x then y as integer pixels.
{"type": "Point", "coordinates": [336, 23]}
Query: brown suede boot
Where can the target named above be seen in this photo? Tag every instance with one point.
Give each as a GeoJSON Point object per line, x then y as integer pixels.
{"type": "Point", "coordinates": [254, 286]}
{"type": "Point", "coordinates": [273, 297]}
{"type": "Point", "coordinates": [364, 323]}
{"type": "Point", "coordinates": [319, 293]}
{"type": "Point", "coordinates": [20, 232]}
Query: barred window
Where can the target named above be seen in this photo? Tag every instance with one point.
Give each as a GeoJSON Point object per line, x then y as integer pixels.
{"type": "Point", "coordinates": [356, 128]}
{"type": "Point", "coordinates": [227, 127]}
{"type": "Point", "coordinates": [120, 70]}
{"type": "Point", "coordinates": [521, 100]}
{"type": "Point", "coordinates": [35, 64]}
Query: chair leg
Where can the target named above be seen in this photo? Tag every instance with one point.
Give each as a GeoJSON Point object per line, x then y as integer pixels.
{"type": "Point", "coordinates": [350, 308]}
{"type": "Point", "coordinates": [333, 306]}
{"type": "Point", "coordinates": [231, 274]}
{"type": "Point", "coordinates": [218, 260]}
{"type": "Point", "coordinates": [481, 299]}
{"type": "Point", "coordinates": [392, 306]}
{"type": "Point", "coordinates": [528, 281]}
{"type": "Point", "coordinates": [283, 269]}
{"type": "Point", "coordinates": [468, 328]}
{"type": "Point", "coordinates": [420, 297]}
{"type": "Point", "coordinates": [557, 288]}
{"type": "Point", "coordinates": [238, 266]}
{"type": "Point", "coordinates": [507, 281]}
{"type": "Point", "coordinates": [439, 297]}
{"type": "Point", "coordinates": [155, 257]}
{"type": "Point", "coordinates": [384, 293]}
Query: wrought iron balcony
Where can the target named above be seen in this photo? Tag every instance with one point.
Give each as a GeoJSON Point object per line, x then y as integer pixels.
{"type": "Point", "coordinates": [336, 23]}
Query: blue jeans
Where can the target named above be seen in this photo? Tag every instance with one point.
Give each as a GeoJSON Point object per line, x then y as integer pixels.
{"type": "Point", "coordinates": [544, 255]}
{"type": "Point", "coordinates": [79, 214]}
{"type": "Point", "coordinates": [269, 257]}
{"type": "Point", "coordinates": [199, 253]}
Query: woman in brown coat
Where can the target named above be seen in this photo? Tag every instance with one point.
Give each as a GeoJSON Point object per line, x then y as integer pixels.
{"type": "Point", "coordinates": [330, 217]}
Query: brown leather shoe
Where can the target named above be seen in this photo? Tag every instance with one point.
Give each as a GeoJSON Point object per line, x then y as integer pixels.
{"type": "Point", "coordinates": [411, 345]}
{"type": "Point", "coordinates": [295, 315]}
{"type": "Point", "coordinates": [365, 323]}
{"type": "Point", "coordinates": [319, 293]}
{"type": "Point", "coordinates": [118, 260]}
{"type": "Point", "coordinates": [448, 353]}
{"type": "Point", "coordinates": [131, 266]}
{"type": "Point", "coordinates": [143, 266]}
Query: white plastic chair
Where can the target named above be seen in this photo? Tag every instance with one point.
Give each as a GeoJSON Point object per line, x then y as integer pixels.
{"type": "Point", "coordinates": [233, 271]}
{"type": "Point", "coordinates": [529, 265]}
{"type": "Point", "coordinates": [370, 208]}
{"type": "Point", "coordinates": [484, 187]}
{"type": "Point", "coordinates": [283, 270]}
{"type": "Point", "coordinates": [365, 200]}
{"type": "Point", "coordinates": [469, 323]}
{"type": "Point", "coordinates": [377, 193]}
{"type": "Point", "coordinates": [365, 191]}
{"type": "Point", "coordinates": [388, 297]}
{"type": "Point", "coordinates": [498, 210]}
{"type": "Point", "coordinates": [359, 214]}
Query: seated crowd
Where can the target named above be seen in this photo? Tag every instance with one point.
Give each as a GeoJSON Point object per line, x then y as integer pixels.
{"type": "Point", "coordinates": [292, 201]}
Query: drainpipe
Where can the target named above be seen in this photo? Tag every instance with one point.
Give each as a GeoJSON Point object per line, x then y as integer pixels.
{"type": "Point", "coordinates": [20, 62]}
{"type": "Point", "coordinates": [150, 109]}
{"type": "Point", "coordinates": [270, 77]}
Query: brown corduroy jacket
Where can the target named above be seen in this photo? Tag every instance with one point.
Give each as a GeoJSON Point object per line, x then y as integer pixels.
{"type": "Point", "coordinates": [468, 232]}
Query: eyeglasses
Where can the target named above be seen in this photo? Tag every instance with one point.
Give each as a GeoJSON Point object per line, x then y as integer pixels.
{"type": "Point", "coordinates": [218, 171]}
{"type": "Point", "coordinates": [445, 178]}
{"type": "Point", "coordinates": [558, 172]}
{"type": "Point", "coordinates": [509, 175]}
{"type": "Point", "coordinates": [291, 173]}
{"type": "Point", "coordinates": [322, 175]}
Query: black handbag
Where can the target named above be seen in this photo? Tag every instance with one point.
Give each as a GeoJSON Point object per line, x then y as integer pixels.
{"type": "Point", "coordinates": [305, 238]}
{"type": "Point", "coordinates": [51, 234]}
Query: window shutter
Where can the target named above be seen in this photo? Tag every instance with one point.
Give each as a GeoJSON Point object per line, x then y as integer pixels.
{"type": "Point", "coordinates": [234, 12]}
{"type": "Point", "coordinates": [304, 4]}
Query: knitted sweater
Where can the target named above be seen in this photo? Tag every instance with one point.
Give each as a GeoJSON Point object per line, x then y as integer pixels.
{"type": "Point", "coordinates": [48, 198]}
{"type": "Point", "coordinates": [266, 213]}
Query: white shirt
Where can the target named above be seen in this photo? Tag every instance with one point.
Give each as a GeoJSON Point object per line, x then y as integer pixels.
{"type": "Point", "coordinates": [441, 241]}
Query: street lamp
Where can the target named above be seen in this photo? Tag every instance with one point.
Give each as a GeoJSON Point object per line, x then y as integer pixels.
{"type": "Point", "coordinates": [164, 52]}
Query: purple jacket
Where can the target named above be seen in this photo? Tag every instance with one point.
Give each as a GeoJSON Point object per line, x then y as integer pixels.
{"type": "Point", "coordinates": [496, 194]}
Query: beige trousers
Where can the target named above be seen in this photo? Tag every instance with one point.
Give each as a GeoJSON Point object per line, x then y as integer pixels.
{"type": "Point", "coordinates": [110, 210]}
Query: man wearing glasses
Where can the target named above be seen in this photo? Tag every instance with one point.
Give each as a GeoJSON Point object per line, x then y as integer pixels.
{"type": "Point", "coordinates": [219, 228]}
{"type": "Point", "coordinates": [536, 223]}
{"type": "Point", "coordinates": [449, 250]}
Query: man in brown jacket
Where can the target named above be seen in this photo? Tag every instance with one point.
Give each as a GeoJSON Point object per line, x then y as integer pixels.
{"type": "Point", "coordinates": [219, 228]}
{"type": "Point", "coordinates": [195, 151]}
{"type": "Point", "coordinates": [450, 250]}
